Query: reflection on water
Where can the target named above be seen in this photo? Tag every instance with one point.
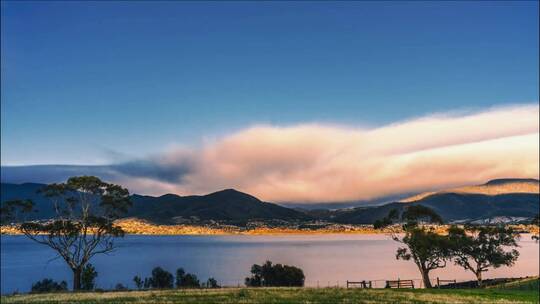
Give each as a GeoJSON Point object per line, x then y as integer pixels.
{"type": "Point", "coordinates": [325, 259]}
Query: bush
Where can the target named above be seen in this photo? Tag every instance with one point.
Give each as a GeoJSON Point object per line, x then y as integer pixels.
{"type": "Point", "coordinates": [212, 283]}
{"type": "Point", "coordinates": [160, 278]}
{"type": "Point", "coordinates": [48, 285]}
{"type": "Point", "coordinates": [88, 277]}
{"type": "Point", "coordinates": [138, 282]}
{"type": "Point", "coordinates": [120, 287]}
{"type": "Point", "coordinates": [186, 280]}
{"type": "Point", "coordinates": [275, 275]}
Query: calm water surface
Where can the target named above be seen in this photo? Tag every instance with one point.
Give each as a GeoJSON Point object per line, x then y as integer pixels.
{"type": "Point", "coordinates": [325, 259]}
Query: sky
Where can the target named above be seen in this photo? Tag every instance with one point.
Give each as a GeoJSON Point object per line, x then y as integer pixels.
{"type": "Point", "coordinates": [290, 101]}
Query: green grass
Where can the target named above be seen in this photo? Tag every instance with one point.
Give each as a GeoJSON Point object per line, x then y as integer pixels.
{"type": "Point", "coordinates": [287, 295]}
{"type": "Point", "coordinates": [525, 284]}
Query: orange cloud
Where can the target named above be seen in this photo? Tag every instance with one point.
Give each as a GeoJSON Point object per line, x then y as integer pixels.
{"type": "Point", "coordinates": [314, 163]}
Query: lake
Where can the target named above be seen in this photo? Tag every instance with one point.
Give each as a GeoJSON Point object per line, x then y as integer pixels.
{"type": "Point", "coordinates": [327, 260]}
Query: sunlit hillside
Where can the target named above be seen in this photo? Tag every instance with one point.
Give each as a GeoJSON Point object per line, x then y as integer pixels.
{"type": "Point", "coordinates": [494, 187]}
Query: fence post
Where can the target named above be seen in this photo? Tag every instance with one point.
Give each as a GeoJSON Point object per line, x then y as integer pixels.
{"type": "Point", "coordinates": [438, 283]}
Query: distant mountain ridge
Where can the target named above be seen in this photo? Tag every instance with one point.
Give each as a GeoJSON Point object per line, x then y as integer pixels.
{"type": "Point", "coordinates": [517, 198]}
{"type": "Point", "coordinates": [227, 205]}
{"type": "Point", "coordinates": [492, 187]}
{"type": "Point", "coordinates": [496, 198]}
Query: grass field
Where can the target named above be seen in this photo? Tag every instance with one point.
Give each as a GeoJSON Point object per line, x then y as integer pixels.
{"type": "Point", "coordinates": [287, 295]}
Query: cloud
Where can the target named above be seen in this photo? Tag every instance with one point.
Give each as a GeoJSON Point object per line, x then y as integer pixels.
{"type": "Point", "coordinates": [317, 163]}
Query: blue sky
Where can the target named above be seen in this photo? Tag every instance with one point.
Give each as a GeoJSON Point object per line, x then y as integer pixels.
{"type": "Point", "coordinates": [87, 82]}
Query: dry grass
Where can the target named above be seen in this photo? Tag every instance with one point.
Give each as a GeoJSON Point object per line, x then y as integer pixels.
{"type": "Point", "coordinates": [285, 295]}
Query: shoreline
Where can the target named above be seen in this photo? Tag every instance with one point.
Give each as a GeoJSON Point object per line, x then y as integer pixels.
{"type": "Point", "coordinates": [138, 227]}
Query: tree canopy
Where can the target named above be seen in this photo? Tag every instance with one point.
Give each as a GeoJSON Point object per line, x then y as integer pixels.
{"type": "Point", "coordinates": [83, 226]}
{"type": "Point", "coordinates": [268, 274]}
{"type": "Point", "coordinates": [426, 248]}
{"type": "Point", "coordinates": [478, 248]}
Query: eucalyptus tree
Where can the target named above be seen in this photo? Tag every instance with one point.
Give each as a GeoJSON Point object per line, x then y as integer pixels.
{"type": "Point", "coordinates": [428, 249]}
{"type": "Point", "coordinates": [82, 227]}
{"type": "Point", "coordinates": [478, 248]}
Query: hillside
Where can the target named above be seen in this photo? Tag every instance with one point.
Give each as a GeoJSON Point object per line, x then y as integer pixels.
{"type": "Point", "coordinates": [514, 198]}
{"type": "Point", "coordinates": [28, 191]}
{"type": "Point", "coordinates": [496, 198]}
{"type": "Point", "coordinates": [493, 187]}
{"type": "Point", "coordinates": [453, 207]}
{"type": "Point", "coordinates": [227, 205]}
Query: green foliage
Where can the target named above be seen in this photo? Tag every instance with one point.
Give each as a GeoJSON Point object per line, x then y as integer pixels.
{"type": "Point", "coordinates": [284, 295]}
{"type": "Point", "coordinates": [138, 282]}
{"type": "Point", "coordinates": [160, 279]}
{"type": "Point", "coordinates": [85, 209]}
{"type": "Point", "coordinates": [186, 280]}
{"type": "Point", "coordinates": [275, 275]}
{"type": "Point", "coordinates": [388, 220]}
{"type": "Point", "coordinates": [88, 277]}
{"type": "Point", "coordinates": [478, 248]}
{"type": "Point", "coordinates": [212, 283]}
{"type": "Point", "coordinates": [11, 210]}
{"type": "Point", "coordinates": [415, 214]}
{"type": "Point", "coordinates": [412, 216]}
{"type": "Point", "coordinates": [48, 285]}
{"type": "Point", "coordinates": [426, 248]}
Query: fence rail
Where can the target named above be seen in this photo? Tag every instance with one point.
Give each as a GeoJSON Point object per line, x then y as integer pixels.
{"type": "Point", "coordinates": [371, 283]}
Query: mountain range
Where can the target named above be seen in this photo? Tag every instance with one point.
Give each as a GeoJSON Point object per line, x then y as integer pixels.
{"type": "Point", "coordinates": [516, 198]}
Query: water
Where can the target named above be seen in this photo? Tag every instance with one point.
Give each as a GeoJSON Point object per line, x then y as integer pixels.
{"type": "Point", "coordinates": [327, 260]}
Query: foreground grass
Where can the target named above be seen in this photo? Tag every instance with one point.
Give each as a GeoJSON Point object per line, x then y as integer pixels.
{"type": "Point", "coordinates": [286, 295]}
{"type": "Point", "coordinates": [524, 284]}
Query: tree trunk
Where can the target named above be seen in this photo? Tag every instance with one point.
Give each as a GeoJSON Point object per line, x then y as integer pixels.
{"type": "Point", "coordinates": [425, 278]}
{"type": "Point", "coordinates": [77, 278]}
{"type": "Point", "coordinates": [479, 278]}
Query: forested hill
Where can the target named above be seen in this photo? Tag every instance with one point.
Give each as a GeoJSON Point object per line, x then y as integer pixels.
{"type": "Point", "coordinates": [517, 198]}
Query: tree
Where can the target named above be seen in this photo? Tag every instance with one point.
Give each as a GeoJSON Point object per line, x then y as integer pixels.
{"type": "Point", "coordinates": [186, 280]}
{"type": "Point", "coordinates": [83, 226]}
{"type": "Point", "coordinates": [138, 282]}
{"type": "Point", "coordinates": [120, 287]}
{"type": "Point", "coordinates": [212, 283]}
{"type": "Point", "coordinates": [161, 279]}
{"type": "Point", "coordinates": [425, 247]}
{"type": "Point", "coordinates": [88, 277]}
{"type": "Point", "coordinates": [48, 285]}
{"type": "Point", "coordinates": [477, 248]}
{"type": "Point", "coordinates": [275, 275]}
{"type": "Point", "coordinates": [12, 210]}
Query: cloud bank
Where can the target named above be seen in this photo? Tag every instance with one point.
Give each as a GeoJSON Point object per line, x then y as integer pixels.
{"type": "Point", "coordinates": [317, 163]}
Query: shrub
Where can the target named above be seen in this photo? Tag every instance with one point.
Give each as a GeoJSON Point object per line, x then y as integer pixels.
{"type": "Point", "coordinates": [120, 287]}
{"type": "Point", "coordinates": [186, 280]}
{"type": "Point", "coordinates": [88, 277]}
{"type": "Point", "coordinates": [275, 275]}
{"type": "Point", "coordinates": [48, 285]}
{"type": "Point", "coordinates": [160, 278]}
{"type": "Point", "coordinates": [138, 282]}
{"type": "Point", "coordinates": [212, 283]}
